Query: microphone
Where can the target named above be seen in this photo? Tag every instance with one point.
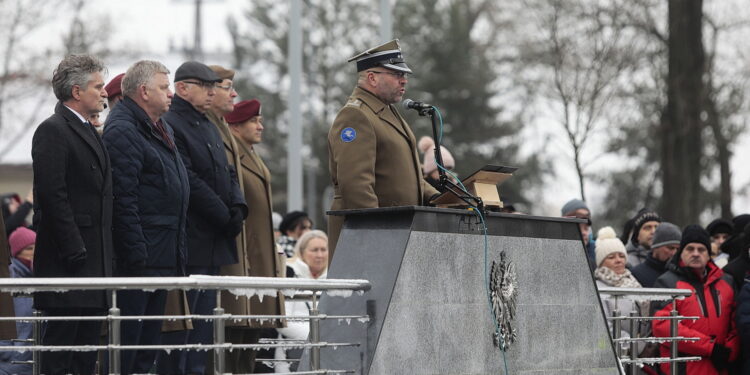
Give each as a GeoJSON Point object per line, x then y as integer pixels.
{"type": "Point", "coordinates": [419, 106]}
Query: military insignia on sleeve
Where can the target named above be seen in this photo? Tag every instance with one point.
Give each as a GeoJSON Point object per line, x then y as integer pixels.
{"type": "Point", "coordinates": [348, 135]}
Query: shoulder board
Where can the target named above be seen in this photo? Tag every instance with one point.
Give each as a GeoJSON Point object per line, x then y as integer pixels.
{"type": "Point", "coordinates": [356, 103]}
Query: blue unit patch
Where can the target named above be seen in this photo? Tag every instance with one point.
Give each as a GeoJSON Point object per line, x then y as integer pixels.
{"type": "Point", "coordinates": [348, 135]}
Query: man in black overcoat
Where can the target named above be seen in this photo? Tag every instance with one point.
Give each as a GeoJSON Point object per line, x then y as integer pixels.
{"type": "Point", "coordinates": [217, 207]}
{"type": "Point", "coordinates": [73, 209]}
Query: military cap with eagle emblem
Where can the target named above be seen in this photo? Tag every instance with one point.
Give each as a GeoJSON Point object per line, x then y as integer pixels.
{"type": "Point", "coordinates": [387, 55]}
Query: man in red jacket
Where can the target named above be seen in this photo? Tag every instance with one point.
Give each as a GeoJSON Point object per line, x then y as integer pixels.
{"type": "Point", "coordinates": [712, 301]}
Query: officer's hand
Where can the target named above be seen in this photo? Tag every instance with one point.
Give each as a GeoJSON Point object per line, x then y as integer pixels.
{"type": "Point", "coordinates": [720, 356]}
{"type": "Point", "coordinates": [236, 218]}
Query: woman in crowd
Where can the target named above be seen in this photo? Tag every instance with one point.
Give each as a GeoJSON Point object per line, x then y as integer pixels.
{"type": "Point", "coordinates": [310, 261]}
{"type": "Point", "coordinates": [22, 242]}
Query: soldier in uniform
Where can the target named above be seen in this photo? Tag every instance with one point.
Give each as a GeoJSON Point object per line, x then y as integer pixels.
{"type": "Point", "coordinates": [372, 151]}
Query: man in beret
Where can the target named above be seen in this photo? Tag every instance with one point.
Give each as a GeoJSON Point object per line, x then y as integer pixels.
{"type": "Point", "coordinates": [712, 301]}
{"type": "Point", "coordinates": [114, 91]}
{"type": "Point", "coordinates": [373, 156]}
{"type": "Point", "coordinates": [259, 257]}
{"type": "Point", "coordinates": [216, 210]}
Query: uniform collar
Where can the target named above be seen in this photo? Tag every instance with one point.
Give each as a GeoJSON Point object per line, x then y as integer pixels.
{"type": "Point", "coordinates": [369, 99]}
{"type": "Point", "coordinates": [186, 109]}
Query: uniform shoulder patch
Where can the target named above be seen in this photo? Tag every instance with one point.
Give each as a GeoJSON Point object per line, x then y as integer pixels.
{"type": "Point", "coordinates": [348, 135]}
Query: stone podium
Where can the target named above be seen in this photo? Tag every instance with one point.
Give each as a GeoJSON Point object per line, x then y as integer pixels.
{"type": "Point", "coordinates": [429, 308]}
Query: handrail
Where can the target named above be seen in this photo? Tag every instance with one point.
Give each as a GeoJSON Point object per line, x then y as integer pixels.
{"type": "Point", "coordinates": [645, 292]}
{"type": "Point", "coordinates": [235, 284]}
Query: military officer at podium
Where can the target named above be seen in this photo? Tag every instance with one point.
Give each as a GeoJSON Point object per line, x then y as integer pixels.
{"type": "Point", "coordinates": [372, 151]}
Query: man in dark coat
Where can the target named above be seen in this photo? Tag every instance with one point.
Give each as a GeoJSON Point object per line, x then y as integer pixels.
{"type": "Point", "coordinates": [217, 209]}
{"type": "Point", "coordinates": [73, 209]}
{"type": "Point", "coordinates": [150, 207]}
{"type": "Point", "coordinates": [666, 243]}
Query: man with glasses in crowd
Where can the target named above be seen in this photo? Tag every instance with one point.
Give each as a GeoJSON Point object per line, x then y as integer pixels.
{"type": "Point", "coordinates": [216, 210]}
{"type": "Point", "coordinates": [373, 156]}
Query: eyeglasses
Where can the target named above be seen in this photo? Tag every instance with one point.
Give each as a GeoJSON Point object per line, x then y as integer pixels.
{"type": "Point", "coordinates": [227, 87]}
{"type": "Point", "coordinates": [205, 85]}
{"type": "Point", "coordinates": [398, 75]}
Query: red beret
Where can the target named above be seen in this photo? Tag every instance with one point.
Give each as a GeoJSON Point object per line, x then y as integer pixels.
{"type": "Point", "coordinates": [114, 87]}
{"type": "Point", "coordinates": [243, 111]}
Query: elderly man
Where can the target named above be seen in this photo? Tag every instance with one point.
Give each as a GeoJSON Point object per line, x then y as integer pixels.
{"type": "Point", "coordinates": [712, 301]}
{"type": "Point", "coordinates": [73, 209]}
{"type": "Point", "coordinates": [260, 257]}
{"type": "Point", "coordinates": [373, 156]}
{"type": "Point", "coordinates": [217, 209]}
{"type": "Point", "coordinates": [151, 199]}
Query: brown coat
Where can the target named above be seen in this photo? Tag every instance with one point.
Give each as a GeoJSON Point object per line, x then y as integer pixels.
{"type": "Point", "coordinates": [259, 256]}
{"type": "Point", "coordinates": [373, 160]}
{"type": "Point", "coordinates": [7, 328]}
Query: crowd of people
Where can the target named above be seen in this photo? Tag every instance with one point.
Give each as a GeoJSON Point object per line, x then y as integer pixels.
{"type": "Point", "coordinates": [653, 253]}
{"type": "Point", "coordinates": [169, 184]}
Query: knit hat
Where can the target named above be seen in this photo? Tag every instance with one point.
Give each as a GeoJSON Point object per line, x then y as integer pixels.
{"type": "Point", "coordinates": [574, 204]}
{"type": "Point", "coordinates": [19, 239]}
{"type": "Point", "coordinates": [720, 226]}
{"type": "Point", "coordinates": [607, 243]}
{"type": "Point", "coordinates": [666, 234]}
{"type": "Point", "coordinates": [427, 146]}
{"type": "Point", "coordinates": [739, 222]}
{"type": "Point", "coordinates": [695, 234]}
{"type": "Point", "coordinates": [642, 217]}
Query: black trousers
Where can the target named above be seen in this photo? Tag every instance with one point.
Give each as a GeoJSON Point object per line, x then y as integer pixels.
{"type": "Point", "coordinates": [70, 333]}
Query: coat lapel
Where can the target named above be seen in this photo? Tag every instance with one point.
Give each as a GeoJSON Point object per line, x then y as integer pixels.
{"type": "Point", "coordinates": [252, 162]}
{"type": "Point", "coordinates": [383, 111]}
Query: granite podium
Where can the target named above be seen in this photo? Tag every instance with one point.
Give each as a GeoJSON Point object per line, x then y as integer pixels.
{"type": "Point", "coordinates": [429, 308]}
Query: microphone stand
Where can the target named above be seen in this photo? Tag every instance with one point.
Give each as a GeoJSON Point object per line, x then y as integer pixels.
{"type": "Point", "coordinates": [446, 184]}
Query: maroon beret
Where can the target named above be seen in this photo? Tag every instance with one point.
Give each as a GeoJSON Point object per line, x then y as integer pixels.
{"type": "Point", "coordinates": [114, 87]}
{"type": "Point", "coordinates": [243, 111]}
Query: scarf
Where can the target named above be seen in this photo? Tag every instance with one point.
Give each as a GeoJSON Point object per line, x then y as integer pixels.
{"type": "Point", "coordinates": [623, 280]}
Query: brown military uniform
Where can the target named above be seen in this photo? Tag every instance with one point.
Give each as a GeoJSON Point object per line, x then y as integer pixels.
{"type": "Point", "coordinates": [373, 160]}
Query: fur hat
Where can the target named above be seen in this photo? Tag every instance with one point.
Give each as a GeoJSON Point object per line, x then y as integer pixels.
{"type": "Point", "coordinates": [666, 234]}
{"type": "Point", "coordinates": [607, 243]}
{"type": "Point", "coordinates": [427, 146]}
{"type": "Point", "coordinates": [19, 239]}
{"type": "Point", "coordinates": [720, 226]}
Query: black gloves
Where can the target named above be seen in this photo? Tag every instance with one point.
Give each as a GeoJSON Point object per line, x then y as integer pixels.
{"type": "Point", "coordinates": [235, 223]}
{"type": "Point", "coordinates": [720, 356]}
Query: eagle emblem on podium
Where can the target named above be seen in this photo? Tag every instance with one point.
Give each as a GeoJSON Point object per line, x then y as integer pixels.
{"type": "Point", "coordinates": [503, 293]}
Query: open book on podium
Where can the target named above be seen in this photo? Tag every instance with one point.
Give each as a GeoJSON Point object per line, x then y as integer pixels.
{"type": "Point", "coordinates": [483, 184]}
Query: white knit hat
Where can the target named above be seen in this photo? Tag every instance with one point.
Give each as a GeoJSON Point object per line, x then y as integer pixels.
{"type": "Point", "coordinates": [608, 243]}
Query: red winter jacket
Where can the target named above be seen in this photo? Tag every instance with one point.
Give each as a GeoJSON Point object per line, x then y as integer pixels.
{"type": "Point", "coordinates": [713, 301]}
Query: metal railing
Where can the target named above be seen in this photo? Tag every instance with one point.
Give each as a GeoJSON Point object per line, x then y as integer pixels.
{"type": "Point", "coordinates": [646, 295]}
{"type": "Point", "coordinates": [239, 286]}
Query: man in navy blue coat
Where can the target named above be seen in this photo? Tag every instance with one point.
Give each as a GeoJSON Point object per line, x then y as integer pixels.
{"type": "Point", "coordinates": [217, 207]}
{"type": "Point", "coordinates": [150, 206]}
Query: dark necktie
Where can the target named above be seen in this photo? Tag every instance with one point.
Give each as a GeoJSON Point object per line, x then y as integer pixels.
{"type": "Point", "coordinates": [159, 125]}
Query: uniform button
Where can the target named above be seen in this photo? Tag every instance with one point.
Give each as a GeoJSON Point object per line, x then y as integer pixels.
{"type": "Point", "coordinates": [226, 168]}
{"type": "Point", "coordinates": [209, 145]}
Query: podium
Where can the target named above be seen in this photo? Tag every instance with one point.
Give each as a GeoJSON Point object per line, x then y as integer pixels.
{"type": "Point", "coordinates": [428, 306]}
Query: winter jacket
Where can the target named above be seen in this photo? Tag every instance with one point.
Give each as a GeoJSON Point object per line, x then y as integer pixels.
{"type": "Point", "coordinates": [151, 193]}
{"type": "Point", "coordinates": [214, 188]}
{"type": "Point", "coordinates": [636, 254]}
{"type": "Point", "coordinates": [647, 272]}
{"type": "Point", "coordinates": [743, 324]}
{"type": "Point", "coordinates": [23, 307]}
{"type": "Point", "coordinates": [713, 301]}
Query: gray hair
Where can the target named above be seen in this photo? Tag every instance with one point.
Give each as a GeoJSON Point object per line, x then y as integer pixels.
{"type": "Point", "coordinates": [305, 239]}
{"type": "Point", "coordinates": [74, 70]}
{"type": "Point", "coordinates": [140, 74]}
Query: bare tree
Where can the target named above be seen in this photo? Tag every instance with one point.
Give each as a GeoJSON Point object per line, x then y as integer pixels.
{"type": "Point", "coordinates": [583, 55]}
